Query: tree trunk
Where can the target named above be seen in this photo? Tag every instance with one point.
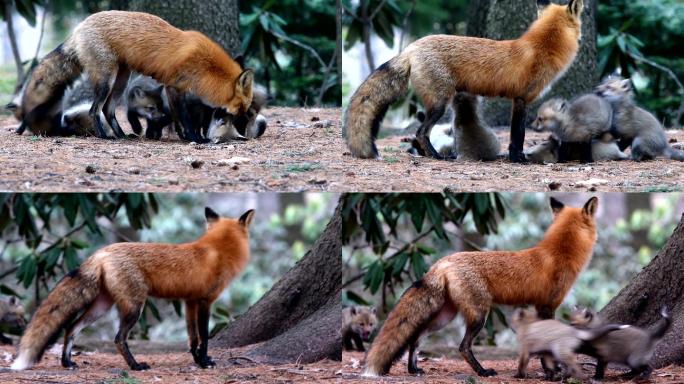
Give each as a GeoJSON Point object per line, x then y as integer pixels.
{"type": "Point", "coordinates": [509, 19]}
{"type": "Point", "coordinates": [217, 19]}
{"type": "Point", "coordinates": [659, 283]}
{"type": "Point", "coordinates": [13, 43]}
{"type": "Point", "coordinates": [301, 315]}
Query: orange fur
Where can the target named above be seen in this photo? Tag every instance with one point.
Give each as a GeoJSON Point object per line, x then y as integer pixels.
{"type": "Point", "coordinates": [438, 66]}
{"type": "Point", "coordinates": [125, 274]}
{"type": "Point", "coordinates": [471, 282]}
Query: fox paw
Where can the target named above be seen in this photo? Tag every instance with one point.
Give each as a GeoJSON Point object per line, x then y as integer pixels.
{"type": "Point", "coordinates": [69, 364]}
{"type": "Point", "coordinates": [206, 362]}
{"type": "Point", "coordinates": [140, 367]}
{"type": "Point", "coordinates": [487, 372]}
{"type": "Point", "coordinates": [417, 371]}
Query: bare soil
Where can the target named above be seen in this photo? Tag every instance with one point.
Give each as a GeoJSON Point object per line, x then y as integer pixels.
{"type": "Point", "coordinates": [398, 171]}
{"type": "Point", "coordinates": [452, 369]}
{"type": "Point", "coordinates": [293, 155]}
{"type": "Point", "coordinates": [169, 364]}
{"type": "Point", "coordinates": [302, 150]}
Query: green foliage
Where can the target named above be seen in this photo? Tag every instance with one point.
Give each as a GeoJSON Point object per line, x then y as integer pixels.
{"type": "Point", "coordinates": [26, 8]}
{"type": "Point", "coordinates": [292, 43]}
{"type": "Point", "coordinates": [386, 16]}
{"type": "Point", "coordinates": [631, 31]}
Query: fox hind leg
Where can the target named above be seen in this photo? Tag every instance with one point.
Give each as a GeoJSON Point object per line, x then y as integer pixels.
{"type": "Point", "coordinates": [101, 91]}
{"type": "Point", "coordinates": [97, 309]}
{"type": "Point", "coordinates": [413, 359]}
{"type": "Point", "coordinates": [473, 327]}
{"type": "Point", "coordinates": [117, 90]}
{"type": "Point", "coordinates": [423, 135]}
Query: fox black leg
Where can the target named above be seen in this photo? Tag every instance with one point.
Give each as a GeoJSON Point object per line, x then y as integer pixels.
{"type": "Point", "coordinates": [423, 134]}
{"type": "Point", "coordinates": [515, 148]}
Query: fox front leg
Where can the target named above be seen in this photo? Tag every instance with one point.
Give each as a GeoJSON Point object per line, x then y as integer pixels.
{"type": "Point", "coordinates": [515, 148]}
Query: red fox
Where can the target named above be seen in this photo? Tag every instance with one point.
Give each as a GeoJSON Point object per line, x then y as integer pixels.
{"type": "Point", "coordinates": [469, 283]}
{"type": "Point", "coordinates": [108, 45]}
{"type": "Point", "coordinates": [125, 274]}
{"type": "Point", "coordinates": [438, 66]}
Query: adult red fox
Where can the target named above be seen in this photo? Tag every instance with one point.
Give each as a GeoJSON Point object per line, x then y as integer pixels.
{"type": "Point", "coordinates": [438, 66]}
{"type": "Point", "coordinates": [469, 283]}
{"type": "Point", "coordinates": [125, 274]}
{"type": "Point", "coordinates": [108, 45]}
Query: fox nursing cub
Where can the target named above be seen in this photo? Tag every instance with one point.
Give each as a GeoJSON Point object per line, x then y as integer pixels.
{"type": "Point", "coordinates": [125, 274]}
{"type": "Point", "coordinates": [439, 66]}
{"type": "Point", "coordinates": [469, 283]}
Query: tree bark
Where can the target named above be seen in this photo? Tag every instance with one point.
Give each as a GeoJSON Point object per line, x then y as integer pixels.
{"type": "Point", "coordinates": [13, 43]}
{"type": "Point", "coordinates": [217, 19]}
{"type": "Point", "coordinates": [659, 283]}
{"type": "Point", "coordinates": [509, 19]}
{"type": "Point", "coordinates": [301, 315]}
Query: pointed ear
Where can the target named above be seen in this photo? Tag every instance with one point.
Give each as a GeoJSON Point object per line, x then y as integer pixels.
{"type": "Point", "coordinates": [11, 107]}
{"type": "Point", "coordinates": [373, 310]}
{"type": "Point", "coordinates": [240, 59]}
{"type": "Point", "coordinates": [590, 207]}
{"type": "Point", "coordinates": [352, 310]}
{"type": "Point", "coordinates": [556, 206]}
{"type": "Point", "coordinates": [12, 300]}
{"type": "Point", "coordinates": [210, 215]}
{"type": "Point", "coordinates": [159, 89]}
{"type": "Point", "coordinates": [244, 82]}
{"type": "Point", "coordinates": [246, 218]}
{"type": "Point", "coordinates": [626, 84]}
{"type": "Point", "coordinates": [575, 7]}
{"type": "Point", "coordinates": [138, 92]}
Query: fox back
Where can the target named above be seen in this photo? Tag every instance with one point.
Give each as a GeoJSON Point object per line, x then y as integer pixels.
{"type": "Point", "coordinates": [186, 60]}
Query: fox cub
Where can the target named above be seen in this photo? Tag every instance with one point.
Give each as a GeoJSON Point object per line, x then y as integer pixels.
{"type": "Point", "coordinates": [358, 323]}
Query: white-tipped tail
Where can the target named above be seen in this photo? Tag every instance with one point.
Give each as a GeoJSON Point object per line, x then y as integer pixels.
{"type": "Point", "coordinates": [21, 362]}
{"type": "Point", "coordinates": [368, 372]}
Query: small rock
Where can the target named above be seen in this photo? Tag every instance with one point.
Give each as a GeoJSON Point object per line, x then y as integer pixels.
{"type": "Point", "coordinates": [134, 170]}
{"type": "Point", "coordinates": [235, 167]}
{"type": "Point", "coordinates": [591, 183]}
{"type": "Point", "coordinates": [196, 164]}
{"type": "Point", "coordinates": [173, 181]}
{"type": "Point", "coordinates": [147, 155]}
{"type": "Point", "coordinates": [315, 118]}
{"type": "Point", "coordinates": [90, 169]}
{"type": "Point", "coordinates": [554, 185]}
{"type": "Point", "coordinates": [323, 124]}
{"type": "Point", "coordinates": [232, 161]}
{"type": "Point", "coordinates": [318, 181]}
{"type": "Point", "coordinates": [83, 182]}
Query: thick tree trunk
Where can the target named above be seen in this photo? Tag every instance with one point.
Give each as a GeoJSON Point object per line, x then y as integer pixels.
{"type": "Point", "coordinates": [217, 19]}
{"type": "Point", "coordinates": [659, 283]}
{"type": "Point", "coordinates": [301, 315]}
{"type": "Point", "coordinates": [509, 19]}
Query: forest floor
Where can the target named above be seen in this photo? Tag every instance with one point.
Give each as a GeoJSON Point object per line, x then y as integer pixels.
{"type": "Point", "coordinates": [302, 149]}
{"type": "Point", "coordinates": [170, 363]}
{"type": "Point", "coordinates": [291, 156]}
{"type": "Point", "coordinates": [453, 369]}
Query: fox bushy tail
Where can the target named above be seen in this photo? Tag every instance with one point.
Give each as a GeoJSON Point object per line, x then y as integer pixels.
{"type": "Point", "coordinates": [593, 334]}
{"type": "Point", "coordinates": [370, 102]}
{"type": "Point", "coordinates": [72, 294]}
{"type": "Point", "coordinates": [417, 306]}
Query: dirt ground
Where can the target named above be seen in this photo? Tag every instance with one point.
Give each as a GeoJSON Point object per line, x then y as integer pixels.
{"type": "Point", "coordinates": [302, 149]}
{"type": "Point", "coordinates": [455, 370]}
{"type": "Point", "coordinates": [169, 364]}
{"type": "Point", "coordinates": [291, 156]}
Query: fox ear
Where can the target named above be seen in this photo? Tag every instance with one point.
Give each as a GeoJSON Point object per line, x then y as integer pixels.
{"type": "Point", "coordinates": [11, 107]}
{"type": "Point", "coordinates": [240, 59]}
{"type": "Point", "coordinates": [575, 7]}
{"type": "Point", "coordinates": [373, 310]}
{"type": "Point", "coordinates": [210, 215]}
{"type": "Point", "coordinates": [590, 207]}
{"type": "Point", "coordinates": [626, 84]}
{"type": "Point", "coordinates": [12, 300]}
{"type": "Point", "coordinates": [556, 206]}
{"type": "Point", "coordinates": [138, 92]}
{"type": "Point", "coordinates": [246, 218]}
{"type": "Point", "coordinates": [244, 82]}
{"type": "Point", "coordinates": [352, 309]}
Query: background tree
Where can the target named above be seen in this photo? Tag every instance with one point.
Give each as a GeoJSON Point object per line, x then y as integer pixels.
{"type": "Point", "coordinates": [299, 319]}
{"type": "Point", "coordinates": [658, 284]}
{"type": "Point", "coordinates": [217, 19]}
